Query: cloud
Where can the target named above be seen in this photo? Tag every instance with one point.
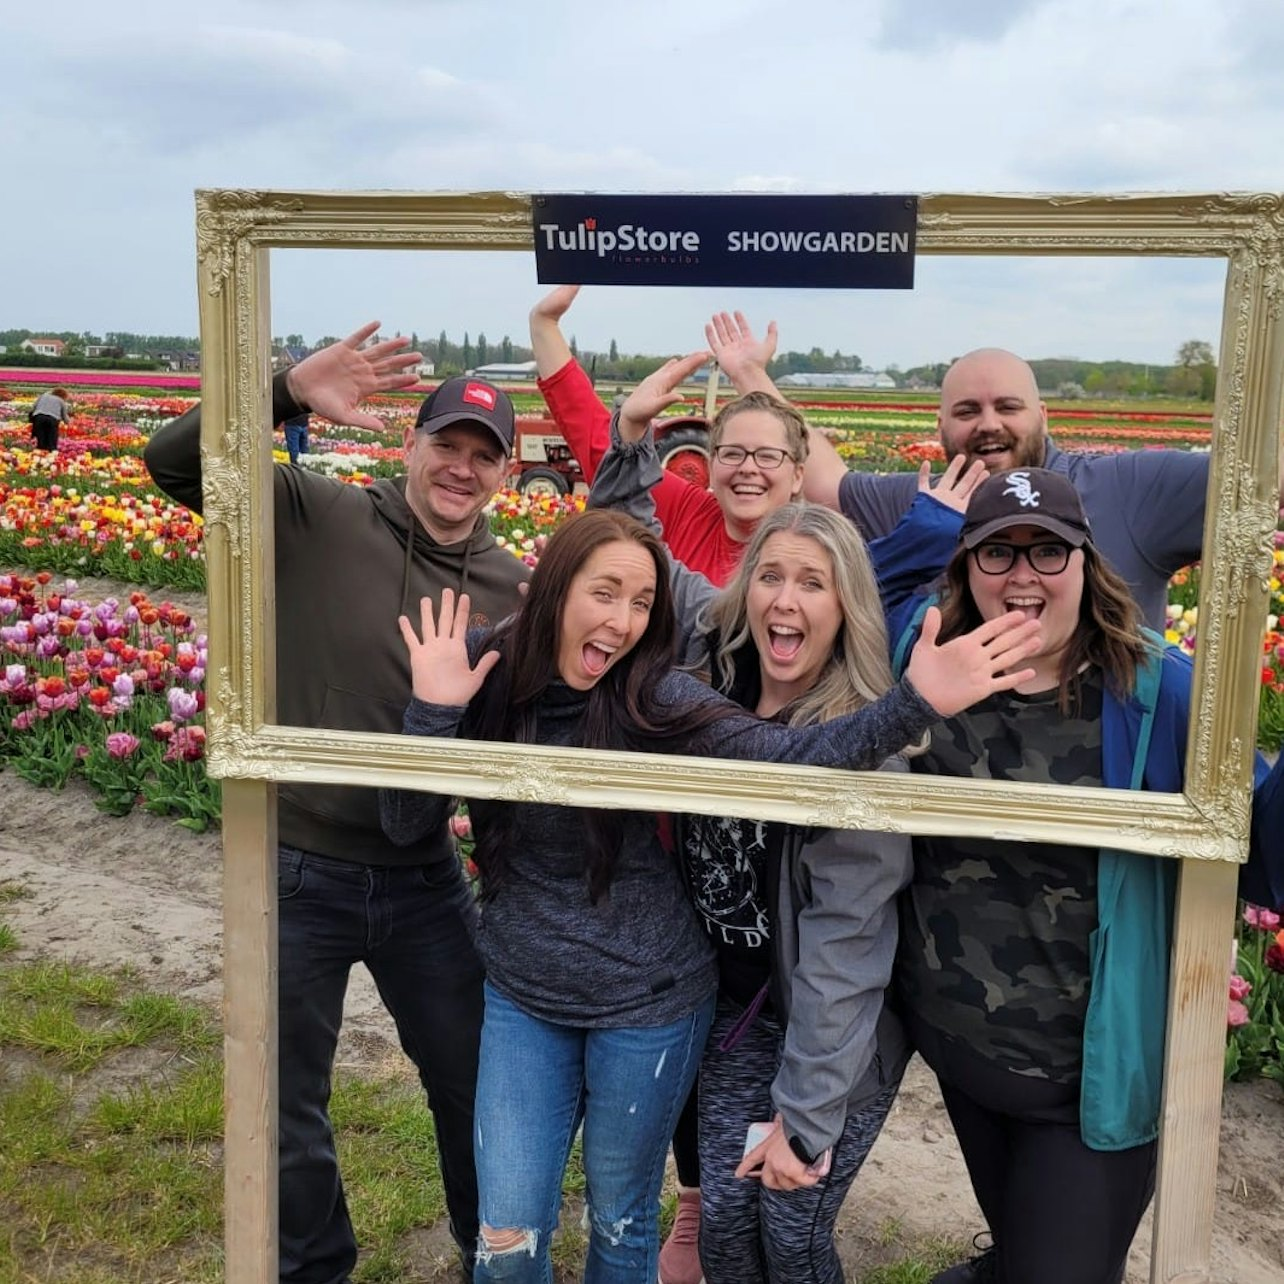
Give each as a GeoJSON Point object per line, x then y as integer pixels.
{"type": "Point", "coordinates": [934, 24]}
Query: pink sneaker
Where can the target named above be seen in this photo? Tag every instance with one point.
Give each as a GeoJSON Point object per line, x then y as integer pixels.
{"type": "Point", "coordinates": [680, 1256]}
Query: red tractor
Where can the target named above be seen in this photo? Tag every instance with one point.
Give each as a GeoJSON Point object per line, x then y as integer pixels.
{"type": "Point", "coordinates": [544, 465]}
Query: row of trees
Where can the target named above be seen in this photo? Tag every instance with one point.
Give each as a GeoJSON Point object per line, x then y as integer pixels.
{"type": "Point", "coordinates": [1193, 373]}
{"type": "Point", "coordinates": [145, 345]}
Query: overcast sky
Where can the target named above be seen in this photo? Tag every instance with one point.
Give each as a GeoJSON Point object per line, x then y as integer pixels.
{"type": "Point", "coordinates": [115, 114]}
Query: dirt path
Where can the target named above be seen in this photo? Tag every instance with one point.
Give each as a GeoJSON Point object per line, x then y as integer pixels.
{"type": "Point", "coordinates": [143, 892]}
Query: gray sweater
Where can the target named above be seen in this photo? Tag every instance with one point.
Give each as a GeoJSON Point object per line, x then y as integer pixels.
{"type": "Point", "coordinates": [639, 956]}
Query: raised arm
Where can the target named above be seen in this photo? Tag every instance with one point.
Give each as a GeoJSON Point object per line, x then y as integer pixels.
{"type": "Point", "coordinates": [568, 392]}
{"type": "Point", "coordinates": [926, 536]}
{"type": "Point", "coordinates": [332, 382]}
{"type": "Point", "coordinates": [551, 350]}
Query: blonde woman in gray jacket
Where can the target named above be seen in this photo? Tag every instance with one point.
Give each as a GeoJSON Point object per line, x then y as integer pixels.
{"type": "Point", "coordinates": [804, 1059]}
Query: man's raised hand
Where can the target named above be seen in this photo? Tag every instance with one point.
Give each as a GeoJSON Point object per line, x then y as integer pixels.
{"type": "Point", "coordinates": [335, 381]}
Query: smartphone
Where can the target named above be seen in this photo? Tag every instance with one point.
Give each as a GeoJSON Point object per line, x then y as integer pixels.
{"type": "Point", "coordinates": [821, 1167]}
{"type": "Point", "coordinates": [757, 1134]}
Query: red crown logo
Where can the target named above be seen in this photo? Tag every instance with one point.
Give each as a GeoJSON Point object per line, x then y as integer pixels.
{"type": "Point", "coordinates": [590, 224]}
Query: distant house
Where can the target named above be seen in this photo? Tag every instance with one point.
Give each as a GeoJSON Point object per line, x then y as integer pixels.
{"type": "Point", "coordinates": [505, 371]}
{"type": "Point", "coordinates": [179, 360]}
{"type": "Point", "coordinates": [288, 354]}
{"type": "Point", "coordinates": [44, 347]}
{"type": "Point", "coordinates": [103, 350]}
{"type": "Point", "coordinates": [426, 369]}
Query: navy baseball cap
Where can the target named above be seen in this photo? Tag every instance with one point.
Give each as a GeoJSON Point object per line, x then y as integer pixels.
{"type": "Point", "coordinates": [1026, 497]}
{"type": "Point", "coordinates": [464, 399]}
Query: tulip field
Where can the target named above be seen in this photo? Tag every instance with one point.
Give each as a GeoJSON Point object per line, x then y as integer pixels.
{"type": "Point", "coordinates": [111, 688]}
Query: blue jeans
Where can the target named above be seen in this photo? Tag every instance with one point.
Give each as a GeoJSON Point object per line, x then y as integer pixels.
{"type": "Point", "coordinates": [538, 1081]}
{"type": "Point", "coordinates": [296, 441]}
{"type": "Point", "coordinates": [412, 926]}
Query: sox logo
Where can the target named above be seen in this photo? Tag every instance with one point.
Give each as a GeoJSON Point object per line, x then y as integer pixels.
{"type": "Point", "coordinates": [1020, 487]}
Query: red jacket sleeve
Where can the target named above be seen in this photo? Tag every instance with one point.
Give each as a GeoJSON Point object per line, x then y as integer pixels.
{"type": "Point", "coordinates": [578, 411]}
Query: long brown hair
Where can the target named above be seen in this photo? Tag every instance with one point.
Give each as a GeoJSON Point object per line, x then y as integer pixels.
{"type": "Point", "coordinates": [1109, 633]}
{"type": "Point", "coordinates": [622, 709]}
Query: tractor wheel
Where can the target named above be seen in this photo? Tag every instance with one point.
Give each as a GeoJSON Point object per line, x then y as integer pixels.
{"type": "Point", "coordinates": [542, 481]}
{"type": "Point", "coordinates": [685, 451]}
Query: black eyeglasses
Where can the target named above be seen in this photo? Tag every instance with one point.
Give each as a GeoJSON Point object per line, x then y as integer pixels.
{"type": "Point", "coordinates": [764, 456]}
{"type": "Point", "coordinates": [998, 559]}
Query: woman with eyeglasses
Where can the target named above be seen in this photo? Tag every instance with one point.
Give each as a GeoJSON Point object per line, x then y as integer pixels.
{"type": "Point", "coordinates": [1033, 977]}
{"type": "Point", "coordinates": [705, 529]}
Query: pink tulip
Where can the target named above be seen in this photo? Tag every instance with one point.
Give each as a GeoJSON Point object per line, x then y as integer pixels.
{"type": "Point", "coordinates": [1258, 916]}
{"type": "Point", "coordinates": [120, 744]}
{"type": "Point", "coordinates": [1236, 1014]}
{"type": "Point", "coordinates": [1240, 989]}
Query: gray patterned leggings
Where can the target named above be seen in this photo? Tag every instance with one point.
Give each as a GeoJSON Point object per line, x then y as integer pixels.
{"type": "Point", "coordinates": [748, 1234]}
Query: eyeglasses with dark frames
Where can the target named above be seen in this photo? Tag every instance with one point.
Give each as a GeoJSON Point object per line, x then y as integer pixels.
{"type": "Point", "coordinates": [997, 558]}
{"type": "Point", "coordinates": [764, 456]}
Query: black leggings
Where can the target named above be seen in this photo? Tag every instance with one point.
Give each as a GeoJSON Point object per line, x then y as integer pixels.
{"type": "Point", "coordinates": [1059, 1212]}
{"type": "Point", "coordinates": [44, 428]}
{"type": "Point", "coordinates": [686, 1140]}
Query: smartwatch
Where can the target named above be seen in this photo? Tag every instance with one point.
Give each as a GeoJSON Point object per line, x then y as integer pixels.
{"type": "Point", "coordinates": [796, 1145]}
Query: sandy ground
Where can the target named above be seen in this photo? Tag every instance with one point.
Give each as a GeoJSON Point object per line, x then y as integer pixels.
{"type": "Point", "coordinates": [142, 891]}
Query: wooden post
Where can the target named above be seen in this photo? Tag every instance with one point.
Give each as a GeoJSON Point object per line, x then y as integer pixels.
{"type": "Point", "coordinates": [1190, 1120]}
{"type": "Point", "coordinates": [249, 1032]}
{"type": "Point", "coordinates": [711, 393]}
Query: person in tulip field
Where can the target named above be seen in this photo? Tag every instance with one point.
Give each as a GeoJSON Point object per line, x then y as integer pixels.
{"type": "Point", "coordinates": [50, 412]}
{"type": "Point", "coordinates": [296, 436]}
{"type": "Point", "coordinates": [802, 921]}
{"type": "Point", "coordinates": [349, 560]}
{"type": "Point", "coordinates": [599, 978]}
{"type": "Point", "coordinates": [1034, 977]}
{"type": "Point", "coordinates": [1146, 506]}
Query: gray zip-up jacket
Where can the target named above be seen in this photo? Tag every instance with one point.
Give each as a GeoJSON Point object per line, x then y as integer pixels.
{"type": "Point", "coordinates": [831, 898]}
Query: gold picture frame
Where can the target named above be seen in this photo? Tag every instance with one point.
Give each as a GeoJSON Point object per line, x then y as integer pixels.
{"type": "Point", "coordinates": [1206, 826]}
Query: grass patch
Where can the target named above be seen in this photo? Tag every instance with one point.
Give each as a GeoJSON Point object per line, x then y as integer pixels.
{"type": "Point", "coordinates": [924, 1259]}
{"type": "Point", "coordinates": [388, 1157]}
{"type": "Point", "coordinates": [11, 890]}
{"type": "Point", "coordinates": [8, 939]}
{"type": "Point", "coordinates": [76, 1016]}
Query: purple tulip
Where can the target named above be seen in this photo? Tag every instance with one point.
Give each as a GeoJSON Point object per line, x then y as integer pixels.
{"type": "Point", "coordinates": [182, 704]}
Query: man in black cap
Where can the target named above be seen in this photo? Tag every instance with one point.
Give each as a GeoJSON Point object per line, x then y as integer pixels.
{"type": "Point", "coordinates": [349, 561]}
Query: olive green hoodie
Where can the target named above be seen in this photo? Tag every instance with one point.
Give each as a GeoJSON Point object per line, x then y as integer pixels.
{"type": "Point", "coordinates": [349, 560]}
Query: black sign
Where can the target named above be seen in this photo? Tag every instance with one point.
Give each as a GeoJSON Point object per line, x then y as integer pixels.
{"type": "Point", "coordinates": [822, 242]}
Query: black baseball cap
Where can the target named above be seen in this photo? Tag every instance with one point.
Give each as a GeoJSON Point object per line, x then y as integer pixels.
{"type": "Point", "coordinates": [1026, 497]}
{"type": "Point", "coordinates": [464, 399]}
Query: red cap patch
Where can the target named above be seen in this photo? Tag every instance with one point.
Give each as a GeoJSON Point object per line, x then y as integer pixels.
{"type": "Point", "coordinates": [480, 395]}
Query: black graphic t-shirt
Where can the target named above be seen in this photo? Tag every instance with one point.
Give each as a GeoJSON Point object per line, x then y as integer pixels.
{"type": "Point", "coordinates": [726, 862]}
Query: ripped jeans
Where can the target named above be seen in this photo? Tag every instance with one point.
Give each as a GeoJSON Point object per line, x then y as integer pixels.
{"type": "Point", "coordinates": [538, 1081]}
